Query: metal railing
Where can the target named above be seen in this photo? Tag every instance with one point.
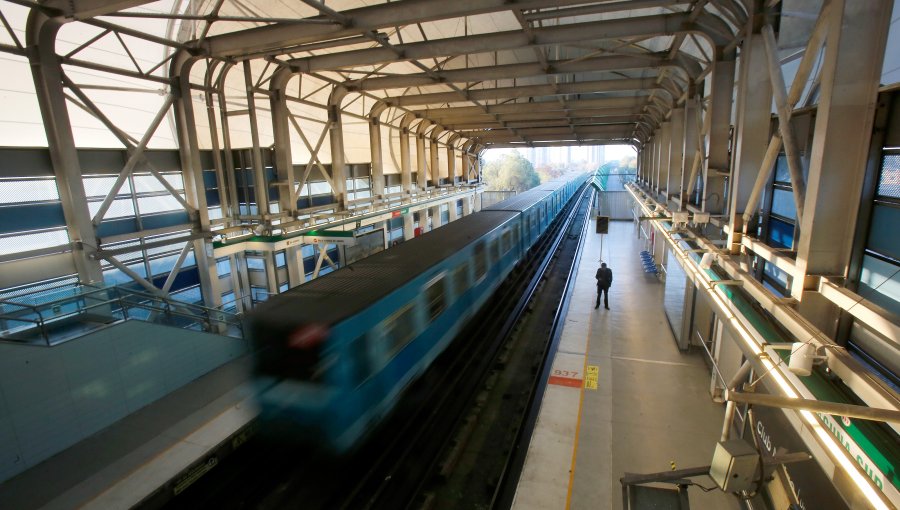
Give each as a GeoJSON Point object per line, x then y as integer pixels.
{"type": "Point", "coordinates": [50, 319]}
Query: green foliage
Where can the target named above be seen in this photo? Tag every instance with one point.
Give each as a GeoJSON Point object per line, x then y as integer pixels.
{"type": "Point", "coordinates": [510, 172]}
{"type": "Point", "coordinates": [628, 164]}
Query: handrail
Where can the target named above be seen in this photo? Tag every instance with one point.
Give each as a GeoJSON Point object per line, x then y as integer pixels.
{"type": "Point", "coordinates": [119, 301]}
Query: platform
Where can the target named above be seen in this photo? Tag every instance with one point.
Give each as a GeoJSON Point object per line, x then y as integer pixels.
{"type": "Point", "coordinates": [650, 410]}
{"type": "Point", "coordinates": [167, 444]}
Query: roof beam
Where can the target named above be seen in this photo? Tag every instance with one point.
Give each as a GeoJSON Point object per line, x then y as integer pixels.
{"type": "Point", "coordinates": [550, 131]}
{"type": "Point", "coordinates": [512, 71]}
{"type": "Point", "coordinates": [525, 91]}
{"type": "Point", "coordinates": [546, 106]}
{"type": "Point", "coordinates": [388, 15]}
{"type": "Point", "coordinates": [644, 26]}
{"type": "Point", "coordinates": [84, 9]}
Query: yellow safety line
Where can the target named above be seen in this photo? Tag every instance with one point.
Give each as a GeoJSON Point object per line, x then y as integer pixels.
{"type": "Point", "coordinates": [587, 345]}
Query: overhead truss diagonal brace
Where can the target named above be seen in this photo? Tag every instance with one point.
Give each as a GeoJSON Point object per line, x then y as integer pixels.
{"type": "Point", "coordinates": [126, 140]}
{"type": "Point", "coordinates": [133, 159]}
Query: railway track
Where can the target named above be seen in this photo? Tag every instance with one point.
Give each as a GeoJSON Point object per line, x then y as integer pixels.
{"type": "Point", "coordinates": [456, 437]}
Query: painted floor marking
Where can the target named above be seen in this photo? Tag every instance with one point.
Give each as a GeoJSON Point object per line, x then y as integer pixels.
{"type": "Point", "coordinates": [585, 368]}
{"type": "Point", "coordinates": [591, 376]}
{"type": "Point", "coordinates": [673, 363]}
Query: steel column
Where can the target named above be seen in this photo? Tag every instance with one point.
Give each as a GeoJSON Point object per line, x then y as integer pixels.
{"type": "Point", "coordinates": [856, 39]}
{"type": "Point", "coordinates": [676, 152]}
{"type": "Point", "coordinates": [405, 155]}
{"type": "Point", "coordinates": [717, 165]}
{"type": "Point", "coordinates": [751, 132]}
{"type": "Point", "coordinates": [47, 75]}
{"type": "Point", "coordinates": [192, 171]}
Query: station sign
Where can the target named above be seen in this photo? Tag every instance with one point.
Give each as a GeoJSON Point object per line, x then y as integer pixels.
{"type": "Point", "coordinates": [342, 237]}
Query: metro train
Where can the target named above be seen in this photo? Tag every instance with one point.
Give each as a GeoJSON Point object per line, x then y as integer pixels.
{"type": "Point", "coordinates": [336, 353]}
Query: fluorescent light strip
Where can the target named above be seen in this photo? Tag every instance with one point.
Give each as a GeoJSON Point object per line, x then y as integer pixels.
{"type": "Point", "coordinates": [837, 451]}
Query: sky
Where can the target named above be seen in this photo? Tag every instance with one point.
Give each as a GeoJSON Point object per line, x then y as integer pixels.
{"type": "Point", "coordinates": [610, 153]}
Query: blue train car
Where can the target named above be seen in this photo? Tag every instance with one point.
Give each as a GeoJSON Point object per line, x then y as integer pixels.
{"type": "Point", "coordinates": [338, 351]}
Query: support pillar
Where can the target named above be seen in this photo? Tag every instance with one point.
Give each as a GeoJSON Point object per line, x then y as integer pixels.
{"type": "Point", "coordinates": [421, 166]}
{"type": "Point", "coordinates": [716, 170]}
{"type": "Point", "coordinates": [192, 172]}
{"type": "Point", "coordinates": [752, 125]}
{"type": "Point", "coordinates": [376, 150]}
{"type": "Point", "coordinates": [665, 142]}
{"type": "Point", "coordinates": [854, 52]}
{"type": "Point", "coordinates": [676, 153]}
{"type": "Point", "coordinates": [405, 155]}
{"type": "Point", "coordinates": [294, 261]}
{"type": "Point", "coordinates": [408, 227]}
{"type": "Point", "coordinates": [691, 136]}
{"type": "Point", "coordinates": [47, 74]}
{"type": "Point", "coordinates": [336, 138]}
{"type": "Point", "coordinates": [435, 216]}
{"type": "Point", "coordinates": [435, 156]}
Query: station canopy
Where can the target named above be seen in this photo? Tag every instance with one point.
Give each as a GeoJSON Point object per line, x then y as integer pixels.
{"type": "Point", "coordinates": [484, 73]}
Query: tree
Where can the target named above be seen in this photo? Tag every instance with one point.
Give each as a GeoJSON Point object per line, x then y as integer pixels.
{"type": "Point", "coordinates": [510, 172]}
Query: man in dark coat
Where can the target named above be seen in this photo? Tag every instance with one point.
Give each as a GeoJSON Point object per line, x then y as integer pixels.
{"type": "Point", "coordinates": [604, 280]}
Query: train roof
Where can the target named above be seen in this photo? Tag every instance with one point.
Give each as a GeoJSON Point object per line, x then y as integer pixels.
{"type": "Point", "coordinates": [520, 202]}
{"type": "Point", "coordinates": [525, 200]}
{"type": "Point", "coordinates": [348, 290]}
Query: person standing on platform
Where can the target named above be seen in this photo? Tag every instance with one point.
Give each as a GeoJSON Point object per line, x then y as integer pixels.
{"type": "Point", "coordinates": [604, 281]}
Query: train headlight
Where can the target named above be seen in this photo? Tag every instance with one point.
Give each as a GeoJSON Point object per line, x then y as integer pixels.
{"type": "Point", "coordinates": [307, 336]}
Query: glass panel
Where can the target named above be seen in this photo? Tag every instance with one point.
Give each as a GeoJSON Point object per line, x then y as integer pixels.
{"type": "Point", "coordinates": [99, 186]}
{"type": "Point", "coordinates": [31, 190]}
{"type": "Point", "coordinates": [480, 261]}
{"type": "Point", "coordinates": [259, 293]}
{"type": "Point", "coordinates": [256, 264]}
{"type": "Point", "coordinates": [783, 204]}
{"type": "Point", "coordinates": [120, 208]}
{"type": "Point", "coordinates": [879, 282]}
{"type": "Point", "coordinates": [889, 182]}
{"type": "Point", "coordinates": [280, 259]}
{"type": "Point", "coordinates": [399, 329]}
{"type": "Point", "coordinates": [782, 172]}
{"type": "Point", "coordinates": [26, 242]}
{"type": "Point", "coordinates": [228, 300]}
{"type": "Point", "coordinates": [883, 236]}
{"type": "Point", "coordinates": [781, 233]}
{"type": "Point", "coordinates": [189, 295]}
{"type": "Point", "coordinates": [147, 183]}
{"type": "Point", "coordinates": [163, 265]}
{"type": "Point", "coordinates": [436, 300]}
{"type": "Point", "coordinates": [115, 276]}
{"type": "Point", "coordinates": [223, 267]}
{"type": "Point", "coordinates": [673, 300]}
{"type": "Point", "coordinates": [149, 205]}
{"type": "Point", "coordinates": [461, 278]}
{"type": "Point", "coordinates": [320, 188]}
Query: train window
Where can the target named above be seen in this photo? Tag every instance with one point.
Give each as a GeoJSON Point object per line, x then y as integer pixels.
{"type": "Point", "coordinates": [495, 250]}
{"type": "Point", "coordinates": [480, 261]}
{"type": "Point", "coordinates": [461, 278]}
{"type": "Point", "coordinates": [436, 300]}
{"type": "Point", "coordinates": [399, 329]}
{"type": "Point", "coordinates": [507, 242]}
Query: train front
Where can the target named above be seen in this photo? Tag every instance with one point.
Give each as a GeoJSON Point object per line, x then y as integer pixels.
{"type": "Point", "coordinates": [300, 396]}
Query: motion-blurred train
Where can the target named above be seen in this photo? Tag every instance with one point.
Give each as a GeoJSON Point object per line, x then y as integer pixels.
{"type": "Point", "coordinates": [339, 350]}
